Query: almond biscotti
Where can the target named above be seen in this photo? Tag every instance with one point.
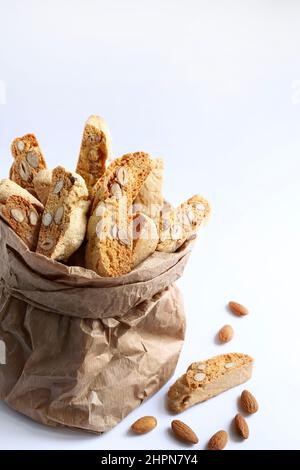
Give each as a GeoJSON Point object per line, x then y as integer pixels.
{"type": "Point", "coordinates": [206, 379]}
{"type": "Point", "coordinates": [150, 199]}
{"type": "Point", "coordinates": [145, 238]}
{"type": "Point", "coordinates": [132, 166]}
{"type": "Point", "coordinates": [28, 161]}
{"type": "Point", "coordinates": [42, 184]}
{"type": "Point", "coordinates": [109, 250]}
{"type": "Point", "coordinates": [94, 152]}
{"type": "Point", "coordinates": [24, 218]}
{"type": "Point", "coordinates": [10, 188]}
{"type": "Point", "coordinates": [64, 219]}
{"type": "Point", "coordinates": [181, 224]}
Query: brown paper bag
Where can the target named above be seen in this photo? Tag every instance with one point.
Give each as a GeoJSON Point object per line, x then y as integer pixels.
{"type": "Point", "coordinates": [81, 350]}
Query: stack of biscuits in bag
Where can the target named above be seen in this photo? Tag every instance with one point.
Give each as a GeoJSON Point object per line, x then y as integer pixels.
{"type": "Point", "coordinates": [113, 208]}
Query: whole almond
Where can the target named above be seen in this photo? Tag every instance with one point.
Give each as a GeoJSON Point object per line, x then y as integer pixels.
{"type": "Point", "coordinates": [241, 426]}
{"type": "Point", "coordinates": [144, 424]}
{"type": "Point", "coordinates": [248, 402]}
{"type": "Point", "coordinates": [226, 334]}
{"type": "Point", "coordinates": [238, 309]}
{"type": "Point", "coordinates": [218, 441]}
{"type": "Point", "coordinates": [184, 432]}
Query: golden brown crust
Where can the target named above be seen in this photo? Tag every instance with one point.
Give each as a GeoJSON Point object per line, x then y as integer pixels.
{"type": "Point", "coordinates": [94, 152]}
{"type": "Point", "coordinates": [64, 218]}
{"type": "Point", "coordinates": [24, 218]}
{"type": "Point", "coordinates": [206, 379]}
{"type": "Point", "coordinates": [181, 224]}
{"type": "Point", "coordinates": [28, 161]}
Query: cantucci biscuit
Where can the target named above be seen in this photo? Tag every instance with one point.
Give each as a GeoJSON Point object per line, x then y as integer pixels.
{"type": "Point", "coordinates": [145, 237]}
{"type": "Point", "coordinates": [28, 161]}
{"type": "Point", "coordinates": [10, 188]}
{"type": "Point", "coordinates": [135, 166]}
{"type": "Point", "coordinates": [182, 223]}
{"type": "Point", "coordinates": [24, 218]}
{"type": "Point", "coordinates": [150, 200]}
{"type": "Point", "coordinates": [65, 216]}
{"type": "Point", "coordinates": [110, 240]}
{"type": "Point", "coordinates": [42, 184]}
{"type": "Point", "coordinates": [109, 250]}
{"type": "Point", "coordinates": [206, 379]}
{"type": "Point", "coordinates": [94, 152]}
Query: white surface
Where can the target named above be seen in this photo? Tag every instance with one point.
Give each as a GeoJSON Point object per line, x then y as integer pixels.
{"type": "Point", "coordinates": [213, 87]}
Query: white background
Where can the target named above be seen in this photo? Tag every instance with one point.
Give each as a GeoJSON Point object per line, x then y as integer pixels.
{"type": "Point", "coordinates": [214, 88]}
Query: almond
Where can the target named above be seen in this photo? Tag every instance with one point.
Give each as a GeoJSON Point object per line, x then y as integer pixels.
{"type": "Point", "coordinates": [226, 334]}
{"type": "Point", "coordinates": [184, 432]}
{"type": "Point", "coordinates": [238, 309]}
{"type": "Point", "coordinates": [241, 426]}
{"type": "Point", "coordinates": [248, 402]}
{"type": "Point", "coordinates": [144, 424]}
{"type": "Point", "coordinates": [218, 441]}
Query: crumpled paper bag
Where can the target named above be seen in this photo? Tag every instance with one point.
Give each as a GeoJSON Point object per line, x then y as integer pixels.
{"type": "Point", "coordinates": [83, 351]}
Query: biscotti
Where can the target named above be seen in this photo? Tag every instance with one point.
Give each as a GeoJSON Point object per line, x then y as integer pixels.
{"type": "Point", "coordinates": [109, 250]}
{"type": "Point", "coordinates": [110, 240]}
{"type": "Point", "coordinates": [10, 188]}
{"type": "Point", "coordinates": [206, 379]}
{"type": "Point", "coordinates": [132, 166]}
{"type": "Point", "coordinates": [94, 152]}
{"type": "Point", "coordinates": [28, 161]}
{"type": "Point", "coordinates": [145, 238]}
{"type": "Point", "coordinates": [42, 184]}
{"type": "Point", "coordinates": [150, 199]}
{"type": "Point", "coordinates": [65, 216]}
{"type": "Point", "coordinates": [181, 224]}
{"type": "Point", "coordinates": [24, 218]}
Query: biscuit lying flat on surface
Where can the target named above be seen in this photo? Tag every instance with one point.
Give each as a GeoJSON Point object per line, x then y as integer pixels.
{"type": "Point", "coordinates": [206, 379]}
{"type": "Point", "coordinates": [42, 183]}
{"type": "Point", "coordinates": [65, 216]}
{"type": "Point", "coordinates": [24, 218]}
{"type": "Point", "coordinates": [145, 238]}
{"type": "Point", "coordinates": [10, 188]}
{"type": "Point", "coordinates": [94, 152]}
{"type": "Point", "coordinates": [28, 161]}
{"type": "Point", "coordinates": [150, 200]}
{"type": "Point", "coordinates": [134, 166]}
{"type": "Point", "coordinates": [110, 242]}
{"type": "Point", "coordinates": [181, 224]}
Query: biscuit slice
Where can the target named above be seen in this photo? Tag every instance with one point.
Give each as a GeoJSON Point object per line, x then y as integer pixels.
{"type": "Point", "coordinates": [135, 166]}
{"type": "Point", "coordinates": [109, 250]}
{"type": "Point", "coordinates": [206, 379]}
{"type": "Point", "coordinates": [145, 238]}
{"type": "Point", "coordinates": [150, 200]}
{"type": "Point", "coordinates": [181, 224]}
{"type": "Point", "coordinates": [94, 152]}
{"type": "Point", "coordinates": [24, 218]}
{"type": "Point", "coordinates": [65, 216]}
{"type": "Point", "coordinates": [42, 183]}
{"type": "Point", "coordinates": [10, 188]}
{"type": "Point", "coordinates": [28, 161]}
{"type": "Point", "coordinates": [110, 241]}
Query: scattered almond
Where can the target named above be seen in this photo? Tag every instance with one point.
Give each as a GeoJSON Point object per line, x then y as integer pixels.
{"type": "Point", "coordinates": [144, 424]}
{"type": "Point", "coordinates": [184, 432]}
{"type": "Point", "coordinates": [218, 441]}
{"type": "Point", "coordinates": [238, 309]}
{"type": "Point", "coordinates": [241, 426]}
{"type": "Point", "coordinates": [248, 402]}
{"type": "Point", "coordinates": [226, 334]}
